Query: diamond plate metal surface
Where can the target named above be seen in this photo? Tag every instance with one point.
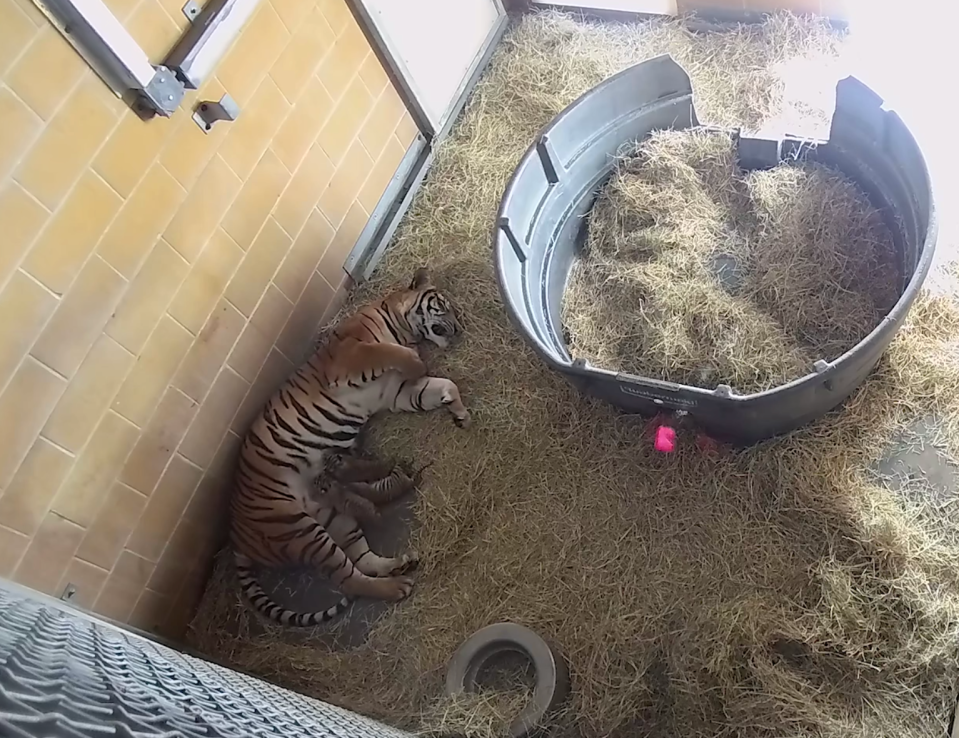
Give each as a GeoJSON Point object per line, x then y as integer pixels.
{"type": "Point", "coordinates": [62, 675]}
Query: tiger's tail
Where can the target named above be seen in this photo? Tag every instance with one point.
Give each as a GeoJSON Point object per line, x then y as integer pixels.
{"type": "Point", "coordinates": [266, 606]}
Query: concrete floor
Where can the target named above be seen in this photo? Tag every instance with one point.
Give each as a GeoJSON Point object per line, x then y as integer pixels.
{"type": "Point", "coordinates": [917, 470]}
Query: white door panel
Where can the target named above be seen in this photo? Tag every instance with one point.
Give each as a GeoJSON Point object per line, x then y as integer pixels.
{"type": "Point", "coordinates": [435, 43]}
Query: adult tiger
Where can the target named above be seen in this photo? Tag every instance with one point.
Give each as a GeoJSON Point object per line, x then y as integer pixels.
{"type": "Point", "coordinates": [367, 365]}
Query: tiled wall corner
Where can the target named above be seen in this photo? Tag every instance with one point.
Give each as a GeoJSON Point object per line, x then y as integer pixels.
{"type": "Point", "coordinates": [156, 283]}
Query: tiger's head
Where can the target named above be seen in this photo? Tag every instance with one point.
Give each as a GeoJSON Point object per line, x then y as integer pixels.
{"type": "Point", "coordinates": [431, 314]}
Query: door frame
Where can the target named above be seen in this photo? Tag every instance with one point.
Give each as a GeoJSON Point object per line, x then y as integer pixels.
{"type": "Point", "coordinates": [399, 74]}
{"type": "Point", "coordinates": [395, 67]}
{"type": "Point", "coordinates": [402, 188]}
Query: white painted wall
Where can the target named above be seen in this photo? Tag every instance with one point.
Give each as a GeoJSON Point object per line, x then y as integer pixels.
{"type": "Point", "coordinates": [437, 40]}
{"type": "Point", "coordinates": [906, 53]}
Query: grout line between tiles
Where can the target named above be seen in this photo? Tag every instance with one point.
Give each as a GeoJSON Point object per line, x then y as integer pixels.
{"type": "Point", "coordinates": [167, 314]}
{"type": "Point", "coordinates": [37, 30]}
{"type": "Point", "coordinates": [66, 95]}
{"type": "Point", "coordinates": [57, 446]}
{"type": "Point", "coordinates": [36, 239]}
{"type": "Point", "coordinates": [24, 190]}
{"type": "Point", "coordinates": [16, 565]}
{"type": "Point", "coordinates": [36, 281]}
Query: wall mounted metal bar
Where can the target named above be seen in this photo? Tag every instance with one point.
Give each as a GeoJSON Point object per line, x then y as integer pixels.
{"type": "Point", "coordinates": [197, 53]}
{"type": "Point", "coordinates": [116, 57]}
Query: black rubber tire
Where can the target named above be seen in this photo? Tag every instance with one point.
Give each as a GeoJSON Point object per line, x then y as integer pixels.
{"type": "Point", "coordinates": [551, 673]}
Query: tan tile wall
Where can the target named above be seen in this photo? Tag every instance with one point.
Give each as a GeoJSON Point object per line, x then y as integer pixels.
{"type": "Point", "coordinates": [836, 9]}
{"type": "Point", "coordinates": [157, 282]}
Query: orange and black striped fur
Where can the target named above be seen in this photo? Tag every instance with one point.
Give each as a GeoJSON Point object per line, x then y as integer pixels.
{"type": "Point", "coordinates": [368, 364]}
{"type": "Point", "coordinates": [358, 486]}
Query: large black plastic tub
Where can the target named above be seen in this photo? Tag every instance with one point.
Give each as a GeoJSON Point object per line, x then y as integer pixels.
{"type": "Point", "coordinates": [542, 215]}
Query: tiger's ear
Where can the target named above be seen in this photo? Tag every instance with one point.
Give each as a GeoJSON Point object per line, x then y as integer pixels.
{"type": "Point", "coordinates": [421, 279]}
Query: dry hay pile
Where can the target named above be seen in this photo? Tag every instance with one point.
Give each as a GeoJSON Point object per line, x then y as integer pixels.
{"type": "Point", "coordinates": [696, 272]}
{"type": "Point", "coordinates": [506, 689]}
{"type": "Point", "coordinates": [783, 590]}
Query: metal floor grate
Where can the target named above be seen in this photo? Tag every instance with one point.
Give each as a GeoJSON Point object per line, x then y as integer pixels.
{"type": "Point", "coordinates": [64, 675]}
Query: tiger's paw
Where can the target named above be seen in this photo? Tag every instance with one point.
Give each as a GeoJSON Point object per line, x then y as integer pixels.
{"type": "Point", "coordinates": [416, 475]}
{"type": "Point", "coordinates": [395, 588]}
{"type": "Point", "coordinates": [408, 563]}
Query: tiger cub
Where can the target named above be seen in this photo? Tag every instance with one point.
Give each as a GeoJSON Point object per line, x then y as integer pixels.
{"type": "Point", "coordinates": [358, 486]}
{"type": "Point", "coordinates": [368, 364]}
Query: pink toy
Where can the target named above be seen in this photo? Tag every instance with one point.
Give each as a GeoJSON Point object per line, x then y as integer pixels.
{"type": "Point", "coordinates": [665, 439]}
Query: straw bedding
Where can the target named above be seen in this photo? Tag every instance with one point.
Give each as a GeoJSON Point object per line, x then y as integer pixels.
{"type": "Point", "coordinates": [696, 272]}
{"type": "Point", "coordinates": [789, 589]}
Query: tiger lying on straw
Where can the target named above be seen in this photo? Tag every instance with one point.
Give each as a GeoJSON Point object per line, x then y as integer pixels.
{"type": "Point", "coordinates": [369, 364]}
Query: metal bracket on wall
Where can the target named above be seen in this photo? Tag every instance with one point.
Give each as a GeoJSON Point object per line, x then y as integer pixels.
{"type": "Point", "coordinates": [92, 29]}
{"type": "Point", "coordinates": [208, 112]}
{"type": "Point", "coordinates": [191, 10]}
{"type": "Point", "coordinates": [162, 94]}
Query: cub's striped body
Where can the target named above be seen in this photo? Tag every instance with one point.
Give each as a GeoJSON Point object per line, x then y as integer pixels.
{"type": "Point", "coordinates": [367, 365]}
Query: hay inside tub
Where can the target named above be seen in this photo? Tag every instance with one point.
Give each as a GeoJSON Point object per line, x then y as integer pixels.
{"type": "Point", "coordinates": [784, 590]}
{"type": "Point", "coordinates": [696, 272]}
